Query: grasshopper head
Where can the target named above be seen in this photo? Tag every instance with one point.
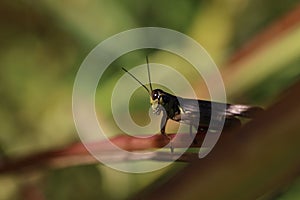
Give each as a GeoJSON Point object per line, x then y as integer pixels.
{"type": "Point", "coordinates": [156, 100]}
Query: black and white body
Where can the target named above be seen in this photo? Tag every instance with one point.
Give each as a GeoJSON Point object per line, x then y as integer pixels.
{"type": "Point", "coordinates": [197, 113]}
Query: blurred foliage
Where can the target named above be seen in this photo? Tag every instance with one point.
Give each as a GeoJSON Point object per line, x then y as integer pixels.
{"type": "Point", "coordinates": [77, 183]}
{"type": "Point", "coordinates": [291, 192]}
{"type": "Point", "coordinates": [44, 42]}
{"type": "Point", "coordinates": [255, 16]}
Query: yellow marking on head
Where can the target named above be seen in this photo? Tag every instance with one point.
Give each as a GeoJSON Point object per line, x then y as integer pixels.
{"type": "Point", "coordinates": [154, 103]}
{"type": "Point", "coordinates": [160, 100]}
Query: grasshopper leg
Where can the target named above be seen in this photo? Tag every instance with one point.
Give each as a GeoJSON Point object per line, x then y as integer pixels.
{"type": "Point", "coordinates": [163, 130]}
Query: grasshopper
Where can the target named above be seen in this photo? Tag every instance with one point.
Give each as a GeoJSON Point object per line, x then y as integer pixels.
{"type": "Point", "coordinates": [194, 112]}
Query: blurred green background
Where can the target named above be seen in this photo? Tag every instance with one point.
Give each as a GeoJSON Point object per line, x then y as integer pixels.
{"type": "Point", "coordinates": [44, 42]}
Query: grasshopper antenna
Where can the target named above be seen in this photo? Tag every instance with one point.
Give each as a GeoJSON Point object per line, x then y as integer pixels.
{"type": "Point", "coordinates": [149, 73]}
{"type": "Point", "coordinates": [136, 79]}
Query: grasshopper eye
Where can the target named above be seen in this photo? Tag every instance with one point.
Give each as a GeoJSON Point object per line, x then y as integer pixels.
{"type": "Point", "coordinates": [154, 95]}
